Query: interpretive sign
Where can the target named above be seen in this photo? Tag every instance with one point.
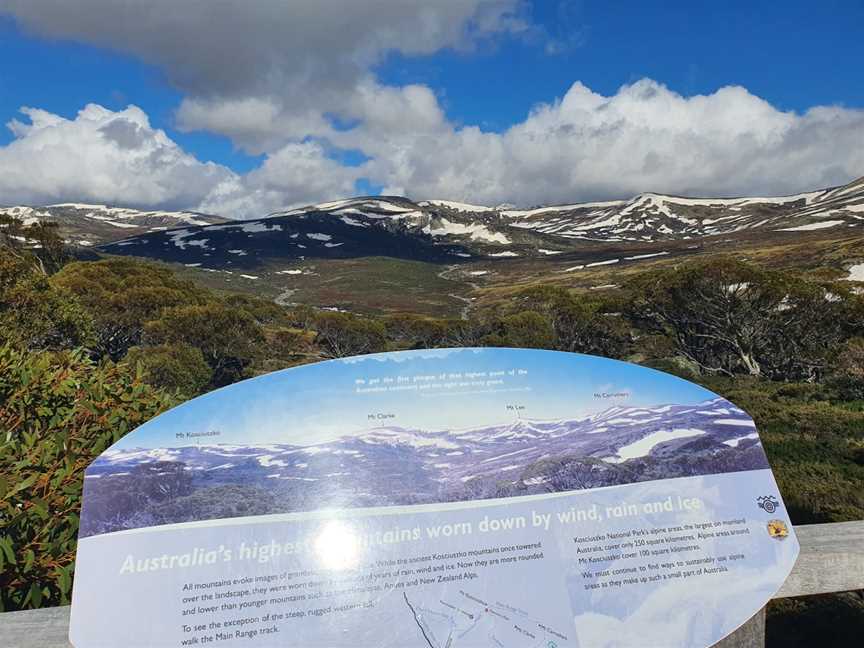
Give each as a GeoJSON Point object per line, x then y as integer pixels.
{"type": "Point", "coordinates": [446, 498]}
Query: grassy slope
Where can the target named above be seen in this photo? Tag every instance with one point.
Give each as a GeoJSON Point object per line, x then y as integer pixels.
{"type": "Point", "coordinates": [371, 285]}
{"type": "Point", "coordinates": [818, 253]}
{"type": "Point", "coordinates": [379, 285]}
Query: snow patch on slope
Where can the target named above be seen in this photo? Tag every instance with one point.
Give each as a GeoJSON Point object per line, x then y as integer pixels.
{"type": "Point", "coordinates": [644, 445]}
{"type": "Point", "coordinates": [856, 273]}
{"type": "Point", "coordinates": [458, 206]}
{"type": "Point", "coordinates": [813, 226]}
{"type": "Point", "coordinates": [476, 231]}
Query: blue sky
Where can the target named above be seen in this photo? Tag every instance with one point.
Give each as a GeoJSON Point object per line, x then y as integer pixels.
{"type": "Point", "coordinates": [478, 100]}
{"type": "Point", "coordinates": [319, 402]}
{"type": "Point", "coordinates": [795, 57]}
{"type": "Point", "coordinates": [62, 77]}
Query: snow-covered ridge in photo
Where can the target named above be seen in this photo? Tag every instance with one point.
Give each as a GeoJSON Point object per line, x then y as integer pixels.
{"type": "Point", "coordinates": [617, 434]}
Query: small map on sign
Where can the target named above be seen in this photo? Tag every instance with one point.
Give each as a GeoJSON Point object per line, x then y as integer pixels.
{"type": "Point", "coordinates": [468, 619]}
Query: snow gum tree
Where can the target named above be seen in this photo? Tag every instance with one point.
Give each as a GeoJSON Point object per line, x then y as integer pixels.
{"type": "Point", "coordinates": [731, 317]}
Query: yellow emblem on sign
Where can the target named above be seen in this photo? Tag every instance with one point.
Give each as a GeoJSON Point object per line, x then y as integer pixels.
{"type": "Point", "coordinates": [778, 529]}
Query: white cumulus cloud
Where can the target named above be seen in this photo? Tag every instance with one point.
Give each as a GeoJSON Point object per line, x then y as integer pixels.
{"type": "Point", "coordinates": [645, 137]}
{"type": "Point", "coordinates": [100, 156]}
{"type": "Point", "coordinates": [296, 175]}
{"type": "Point", "coordinates": [103, 156]}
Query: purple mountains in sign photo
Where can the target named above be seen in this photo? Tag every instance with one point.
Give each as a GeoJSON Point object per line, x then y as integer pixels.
{"type": "Point", "coordinates": [388, 466]}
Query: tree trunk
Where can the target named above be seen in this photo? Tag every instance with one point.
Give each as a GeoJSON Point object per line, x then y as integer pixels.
{"type": "Point", "coordinates": [749, 361]}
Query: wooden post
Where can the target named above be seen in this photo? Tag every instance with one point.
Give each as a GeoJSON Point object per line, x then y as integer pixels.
{"type": "Point", "coordinates": [46, 628]}
{"type": "Point", "coordinates": [749, 635]}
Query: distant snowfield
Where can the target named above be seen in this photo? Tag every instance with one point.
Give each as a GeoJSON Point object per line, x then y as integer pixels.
{"type": "Point", "coordinates": [119, 217]}
{"type": "Point", "coordinates": [813, 226]}
{"type": "Point", "coordinates": [733, 443]}
{"type": "Point", "coordinates": [350, 221]}
{"type": "Point", "coordinates": [856, 272]}
{"type": "Point", "coordinates": [645, 256]}
{"type": "Point", "coordinates": [335, 204]}
{"type": "Point", "coordinates": [522, 213]}
{"type": "Point", "coordinates": [106, 213]}
{"type": "Point", "coordinates": [177, 237]}
{"type": "Point", "coordinates": [257, 226]}
{"type": "Point", "coordinates": [476, 231]}
{"type": "Point", "coordinates": [459, 206]}
{"type": "Point", "coordinates": [643, 446]}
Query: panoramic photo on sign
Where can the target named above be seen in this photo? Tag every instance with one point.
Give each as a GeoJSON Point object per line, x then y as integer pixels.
{"type": "Point", "coordinates": [446, 498]}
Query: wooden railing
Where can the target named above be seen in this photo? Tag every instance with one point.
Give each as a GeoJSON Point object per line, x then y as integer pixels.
{"type": "Point", "coordinates": [831, 560]}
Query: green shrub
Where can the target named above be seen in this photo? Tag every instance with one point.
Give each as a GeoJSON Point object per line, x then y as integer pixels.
{"type": "Point", "coordinates": [177, 368]}
{"type": "Point", "coordinates": [58, 411]}
{"type": "Point", "coordinates": [527, 330]}
{"type": "Point", "coordinates": [408, 331]}
{"type": "Point", "coordinates": [847, 376]}
{"type": "Point", "coordinates": [230, 339]}
{"type": "Point", "coordinates": [343, 334]}
{"type": "Point", "coordinates": [576, 322]}
{"type": "Point", "coordinates": [34, 314]}
{"type": "Point", "coordinates": [265, 312]}
{"type": "Point", "coordinates": [121, 295]}
{"type": "Point", "coordinates": [814, 445]}
{"type": "Point", "coordinates": [285, 347]}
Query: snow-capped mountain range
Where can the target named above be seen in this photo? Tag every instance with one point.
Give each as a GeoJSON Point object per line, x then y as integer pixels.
{"type": "Point", "coordinates": [397, 461]}
{"type": "Point", "coordinates": [646, 217]}
{"type": "Point", "coordinates": [89, 225]}
{"type": "Point", "coordinates": [444, 230]}
{"type": "Point", "coordinates": [441, 231]}
{"type": "Point", "coordinates": [389, 466]}
{"type": "Point", "coordinates": [650, 216]}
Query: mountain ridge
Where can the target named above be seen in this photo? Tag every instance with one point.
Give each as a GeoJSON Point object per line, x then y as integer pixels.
{"type": "Point", "coordinates": [511, 432]}
{"type": "Point", "coordinates": [449, 231]}
{"type": "Point", "coordinates": [648, 216]}
{"type": "Point", "coordinates": [397, 465]}
{"type": "Point", "coordinates": [89, 225]}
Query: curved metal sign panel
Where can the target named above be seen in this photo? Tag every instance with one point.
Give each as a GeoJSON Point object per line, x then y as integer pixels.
{"type": "Point", "coordinates": [448, 498]}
